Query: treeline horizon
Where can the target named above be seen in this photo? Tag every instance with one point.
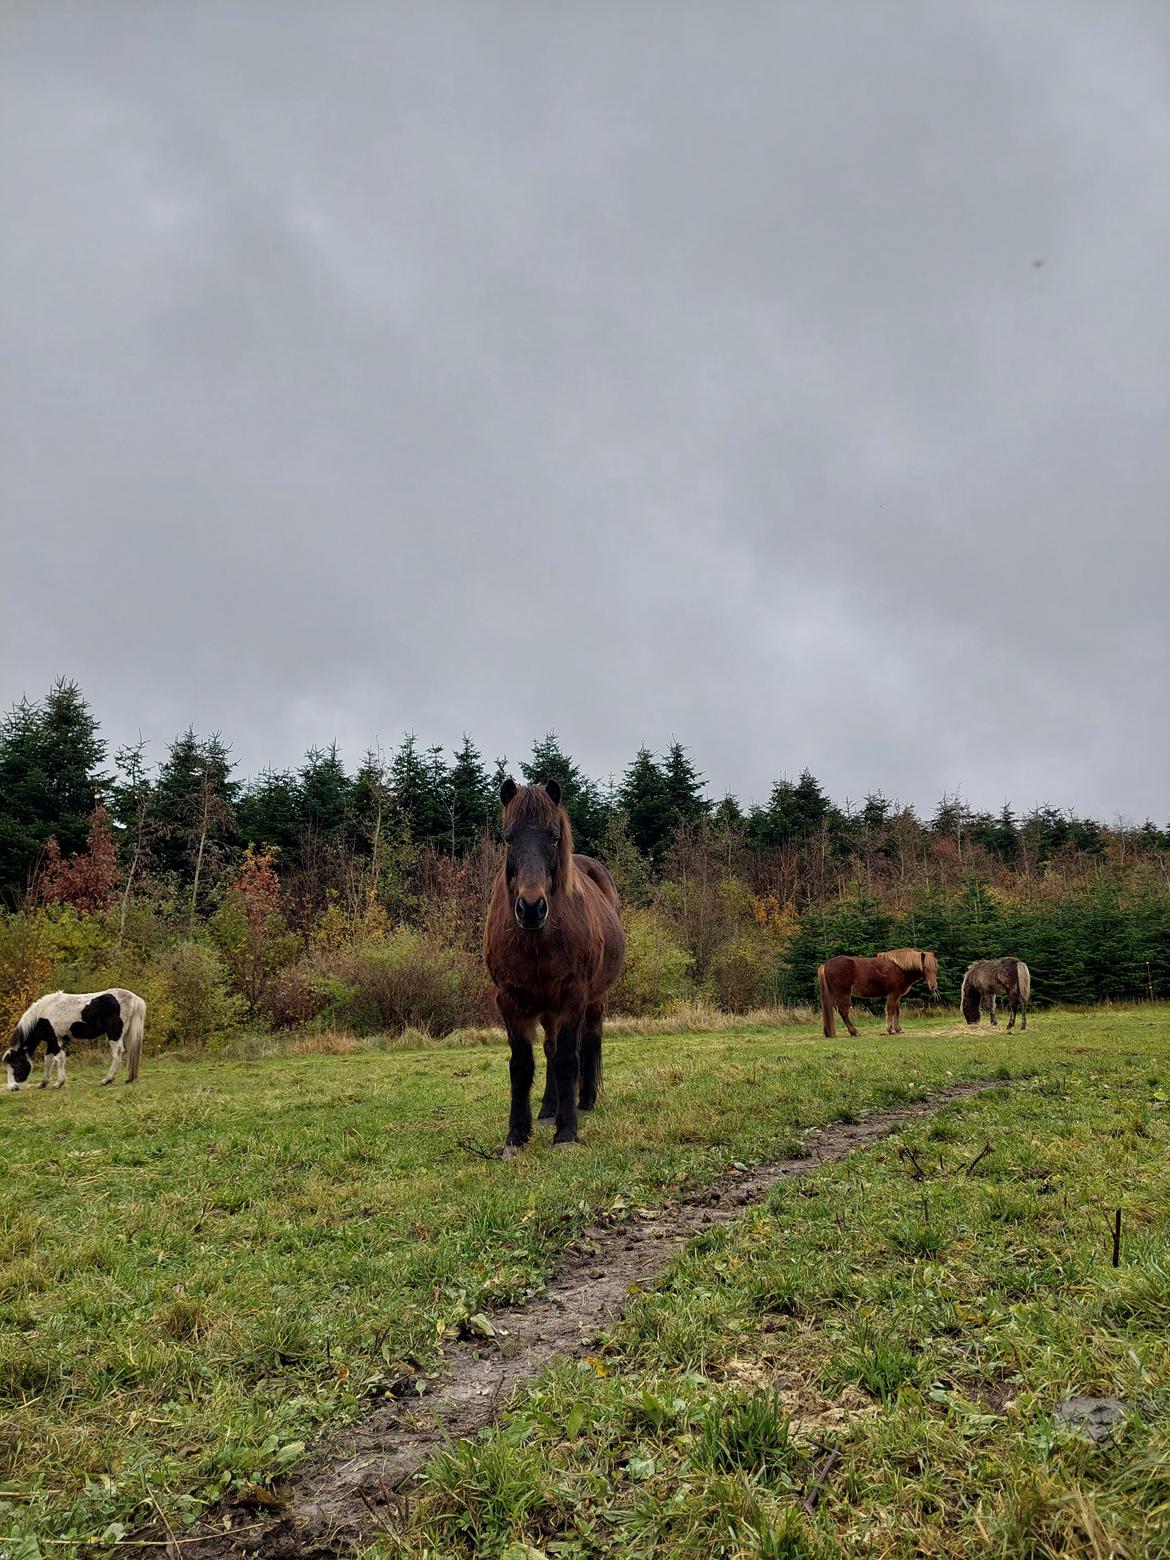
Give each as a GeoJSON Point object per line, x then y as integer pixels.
{"type": "Point", "coordinates": [355, 897]}
{"type": "Point", "coordinates": [54, 767]}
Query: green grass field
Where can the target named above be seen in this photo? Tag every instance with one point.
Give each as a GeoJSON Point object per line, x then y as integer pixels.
{"type": "Point", "coordinates": [199, 1273]}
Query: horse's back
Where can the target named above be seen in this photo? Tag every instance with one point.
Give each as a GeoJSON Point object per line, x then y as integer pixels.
{"type": "Point", "coordinates": [599, 874]}
{"type": "Point", "coordinates": [864, 976]}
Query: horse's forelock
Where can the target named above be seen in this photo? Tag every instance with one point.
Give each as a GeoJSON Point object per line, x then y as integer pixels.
{"type": "Point", "coordinates": [532, 807]}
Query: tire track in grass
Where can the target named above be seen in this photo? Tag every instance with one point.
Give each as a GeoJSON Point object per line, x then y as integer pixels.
{"type": "Point", "coordinates": [346, 1495]}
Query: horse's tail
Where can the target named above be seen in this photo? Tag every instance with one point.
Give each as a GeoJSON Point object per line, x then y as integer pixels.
{"type": "Point", "coordinates": [135, 1029]}
{"type": "Point", "coordinates": [963, 990]}
{"type": "Point", "coordinates": [827, 1014]}
{"type": "Point", "coordinates": [1024, 980]}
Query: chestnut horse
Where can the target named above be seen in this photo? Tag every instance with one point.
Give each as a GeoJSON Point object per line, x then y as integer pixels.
{"type": "Point", "coordinates": [553, 945]}
{"type": "Point", "coordinates": [888, 975]}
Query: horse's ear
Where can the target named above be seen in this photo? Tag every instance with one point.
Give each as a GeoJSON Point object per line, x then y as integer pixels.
{"type": "Point", "coordinates": [508, 790]}
{"type": "Point", "coordinates": [553, 790]}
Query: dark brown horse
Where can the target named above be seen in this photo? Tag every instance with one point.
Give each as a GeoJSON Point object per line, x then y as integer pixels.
{"type": "Point", "coordinates": [888, 975]}
{"type": "Point", "coordinates": [554, 945]}
{"type": "Point", "coordinates": [987, 979]}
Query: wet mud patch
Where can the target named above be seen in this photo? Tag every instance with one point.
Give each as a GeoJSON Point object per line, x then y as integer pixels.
{"type": "Point", "coordinates": [348, 1494]}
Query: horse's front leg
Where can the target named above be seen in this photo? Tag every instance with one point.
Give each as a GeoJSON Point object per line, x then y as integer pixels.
{"type": "Point", "coordinates": [567, 1070]}
{"type": "Point", "coordinates": [548, 1105]}
{"type": "Point", "coordinates": [521, 1068]}
{"type": "Point", "coordinates": [893, 1015]}
{"type": "Point", "coordinates": [994, 1020]}
{"type": "Point", "coordinates": [44, 1083]}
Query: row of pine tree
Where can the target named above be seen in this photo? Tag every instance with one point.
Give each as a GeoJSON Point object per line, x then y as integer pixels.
{"type": "Point", "coordinates": [191, 812]}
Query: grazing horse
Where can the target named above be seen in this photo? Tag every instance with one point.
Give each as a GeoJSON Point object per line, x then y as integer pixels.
{"type": "Point", "coordinates": [61, 1017]}
{"type": "Point", "coordinates": [553, 945]}
{"type": "Point", "coordinates": [888, 975]}
{"type": "Point", "coordinates": [987, 979]}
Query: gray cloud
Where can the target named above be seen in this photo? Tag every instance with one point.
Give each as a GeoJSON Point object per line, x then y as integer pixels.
{"type": "Point", "coordinates": [630, 371]}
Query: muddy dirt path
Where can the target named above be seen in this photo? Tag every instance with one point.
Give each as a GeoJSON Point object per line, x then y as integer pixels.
{"type": "Point", "coordinates": [347, 1495]}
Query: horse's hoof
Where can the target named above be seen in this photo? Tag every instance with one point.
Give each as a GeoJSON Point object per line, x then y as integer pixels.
{"type": "Point", "coordinates": [44, 1085]}
{"type": "Point", "coordinates": [566, 1142]}
{"type": "Point", "coordinates": [547, 1115]}
{"type": "Point", "coordinates": [586, 1104]}
{"type": "Point", "coordinates": [511, 1150]}
{"type": "Point", "coordinates": [106, 1082]}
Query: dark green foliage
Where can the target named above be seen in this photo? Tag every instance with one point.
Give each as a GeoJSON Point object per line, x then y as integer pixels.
{"type": "Point", "coordinates": [270, 812]}
{"type": "Point", "coordinates": [50, 762]}
{"type": "Point", "coordinates": [192, 808]}
{"type": "Point", "coordinates": [473, 801]}
{"type": "Point", "coordinates": [325, 793]}
{"type": "Point", "coordinates": [797, 812]}
{"type": "Point", "coordinates": [684, 788]}
{"type": "Point", "coordinates": [728, 814]}
{"type": "Point", "coordinates": [645, 801]}
{"type": "Point", "coordinates": [420, 788]}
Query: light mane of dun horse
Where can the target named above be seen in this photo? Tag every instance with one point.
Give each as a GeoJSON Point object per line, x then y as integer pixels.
{"type": "Point", "coordinates": [889, 975]}
{"type": "Point", "coordinates": [553, 945]}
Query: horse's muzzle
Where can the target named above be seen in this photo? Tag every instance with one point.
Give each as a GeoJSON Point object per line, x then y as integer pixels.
{"type": "Point", "coordinates": [532, 915]}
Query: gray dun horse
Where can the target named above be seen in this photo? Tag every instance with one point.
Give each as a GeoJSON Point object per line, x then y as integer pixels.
{"type": "Point", "coordinates": [57, 1019]}
{"type": "Point", "coordinates": [987, 979]}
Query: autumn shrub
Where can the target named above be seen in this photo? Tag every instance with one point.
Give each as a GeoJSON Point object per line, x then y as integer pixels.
{"type": "Point", "coordinates": [657, 971]}
{"type": "Point", "coordinates": [294, 995]}
{"type": "Point", "coordinates": [408, 981]}
{"type": "Point", "coordinates": [27, 963]}
{"type": "Point", "coordinates": [198, 1008]}
{"type": "Point", "coordinates": [742, 974]}
{"type": "Point", "coordinates": [250, 932]}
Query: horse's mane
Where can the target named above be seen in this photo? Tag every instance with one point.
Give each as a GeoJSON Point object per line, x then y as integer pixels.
{"type": "Point", "coordinates": [910, 959]}
{"type": "Point", "coordinates": [532, 807]}
{"type": "Point", "coordinates": [34, 1011]}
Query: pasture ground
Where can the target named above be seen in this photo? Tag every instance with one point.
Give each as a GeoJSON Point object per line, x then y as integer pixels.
{"type": "Point", "coordinates": [198, 1274]}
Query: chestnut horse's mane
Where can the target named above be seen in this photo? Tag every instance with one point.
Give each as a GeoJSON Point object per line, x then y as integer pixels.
{"type": "Point", "coordinates": [910, 959]}
{"type": "Point", "coordinates": [533, 807]}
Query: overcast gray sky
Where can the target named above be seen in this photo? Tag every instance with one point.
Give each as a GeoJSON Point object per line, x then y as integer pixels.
{"type": "Point", "coordinates": [793, 379]}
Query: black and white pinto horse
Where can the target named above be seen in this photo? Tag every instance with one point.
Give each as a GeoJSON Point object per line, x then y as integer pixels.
{"type": "Point", "coordinates": [62, 1016]}
{"type": "Point", "coordinates": [987, 979]}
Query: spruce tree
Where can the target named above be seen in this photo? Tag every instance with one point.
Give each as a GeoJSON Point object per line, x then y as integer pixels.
{"type": "Point", "coordinates": [270, 813]}
{"type": "Point", "coordinates": [685, 790]}
{"type": "Point", "coordinates": [796, 811]}
{"type": "Point", "coordinates": [192, 810]}
{"type": "Point", "coordinates": [644, 799]}
{"type": "Point", "coordinates": [50, 777]}
{"type": "Point", "coordinates": [473, 801]}
{"type": "Point", "coordinates": [325, 793]}
{"type": "Point", "coordinates": [421, 787]}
